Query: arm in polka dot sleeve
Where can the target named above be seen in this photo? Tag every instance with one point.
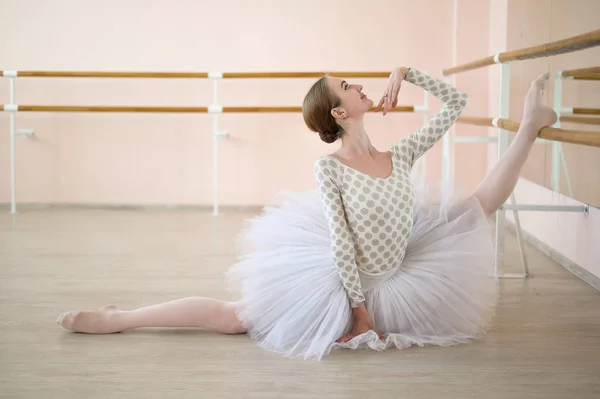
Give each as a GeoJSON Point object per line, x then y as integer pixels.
{"type": "Point", "coordinates": [343, 246]}
{"type": "Point", "coordinates": [454, 102]}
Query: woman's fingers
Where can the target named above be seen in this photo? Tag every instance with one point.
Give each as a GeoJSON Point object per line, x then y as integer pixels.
{"type": "Point", "coordinates": [378, 108]}
{"type": "Point", "coordinates": [382, 103]}
{"type": "Point", "coordinates": [396, 92]}
{"type": "Point", "coordinates": [389, 99]}
{"type": "Point", "coordinates": [392, 96]}
{"type": "Point", "coordinates": [385, 102]}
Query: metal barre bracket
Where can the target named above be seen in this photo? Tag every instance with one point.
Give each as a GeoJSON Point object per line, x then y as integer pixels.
{"type": "Point", "coordinates": [11, 107]}
{"type": "Point", "coordinates": [215, 75]}
{"type": "Point", "coordinates": [221, 133]}
{"type": "Point", "coordinates": [10, 74]}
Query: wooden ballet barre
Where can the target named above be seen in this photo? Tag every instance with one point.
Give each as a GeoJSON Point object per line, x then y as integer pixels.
{"type": "Point", "coordinates": [94, 74]}
{"type": "Point", "coordinates": [110, 108]}
{"type": "Point", "coordinates": [571, 44]}
{"type": "Point", "coordinates": [587, 77]}
{"type": "Point", "coordinates": [403, 108]}
{"type": "Point", "coordinates": [549, 133]}
{"type": "Point", "coordinates": [217, 75]}
{"type": "Point", "coordinates": [103, 108]}
{"type": "Point", "coordinates": [258, 75]}
{"type": "Point", "coordinates": [592, 73]}
{"type": "Point", "coordinates": [586, 111]}
{"type": "Point", "coordinates": [587, 120]}
{"type": "Point", "coordinates": [474, 120]}
{"type": "Point", "coordinates": [487, 61]}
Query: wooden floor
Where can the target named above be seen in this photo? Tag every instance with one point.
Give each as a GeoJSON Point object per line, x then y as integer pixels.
{"type": "Point", "coordinates": [545, 342]}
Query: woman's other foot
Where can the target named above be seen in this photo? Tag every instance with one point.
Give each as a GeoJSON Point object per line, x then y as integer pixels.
{"type": "Point", "coordinates": [101, 321]}
{"type": "Point", "coordinates": [536, 115]}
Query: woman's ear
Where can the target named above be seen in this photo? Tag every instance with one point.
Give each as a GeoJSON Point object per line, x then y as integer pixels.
{"type": "Point", "coordinates": [339, 113]}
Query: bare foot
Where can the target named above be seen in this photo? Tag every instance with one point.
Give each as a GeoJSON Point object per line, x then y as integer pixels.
{"type": "Point", "coordinates": [536, 114]}
{"type": "Point", "coordinates": [101, 321]}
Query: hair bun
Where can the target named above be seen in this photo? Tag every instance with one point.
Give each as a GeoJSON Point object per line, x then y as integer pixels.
{"type": "Point", "coordinates": [328, 136]}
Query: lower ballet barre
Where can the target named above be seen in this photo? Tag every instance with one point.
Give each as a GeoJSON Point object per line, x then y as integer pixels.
{"type": "Point", "coordinates": [591, 73]}
{"type": "Point", "coordinates": [588, 138]}
{"type": "Point", "coordinates": [586, 120]}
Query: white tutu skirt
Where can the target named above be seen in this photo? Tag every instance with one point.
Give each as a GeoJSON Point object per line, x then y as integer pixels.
{"type": "Point", "coordinates": [292, 300]}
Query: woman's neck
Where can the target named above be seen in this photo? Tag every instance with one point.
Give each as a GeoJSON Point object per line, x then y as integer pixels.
{"type": "Point", "coordinates": [356, 142]}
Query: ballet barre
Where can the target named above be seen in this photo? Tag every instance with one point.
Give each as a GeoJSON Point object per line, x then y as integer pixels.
{"type": "Point", "coordinates": [150, 109]}
{"type": "Point", "coordinates": [587, 138]}
{"type": "Point", "coordinates": [214, 109]}
{"type": "Point", "coordinates": [197, 75]}
{"type": "Point", "coordinates": [555, 134]}
{"type": "Point", "coordinates": [564, 46]}
{"type": "Point", "coordinates": [585, 120]}
{"type": "Point", "coordinates": [592, 73]}
{"type": "Point", "coordinates": [585, 111]}
{"type": "Point", "coordinates": [566, 115]}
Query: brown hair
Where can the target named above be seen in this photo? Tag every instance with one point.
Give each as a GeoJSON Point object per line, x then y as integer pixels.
{"type": "Point", "coordinates": [316, 109]}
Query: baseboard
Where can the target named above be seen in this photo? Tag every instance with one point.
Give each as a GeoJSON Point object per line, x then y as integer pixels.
{"type": "Point", "coordinates": [559, 258]}
{"type": "Point", "coordinates": [136, 207]}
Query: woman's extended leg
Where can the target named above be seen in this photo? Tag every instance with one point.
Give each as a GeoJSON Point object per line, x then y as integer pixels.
{"type": "Point", "coordinates": [186, 312]}
{"type": "Point", "coordinates": [497, 186]}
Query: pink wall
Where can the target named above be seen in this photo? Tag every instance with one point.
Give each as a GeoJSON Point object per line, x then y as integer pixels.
{"type": "Point", "coordinates": [167, 159]}
{"type": "Point", "coordinates": [472, 42]}
{"type": "Point", "coordinates": [497, 43]}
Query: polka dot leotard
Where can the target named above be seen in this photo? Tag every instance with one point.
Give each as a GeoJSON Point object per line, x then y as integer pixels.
{"type": "Point", "coordinates": [370, 218]}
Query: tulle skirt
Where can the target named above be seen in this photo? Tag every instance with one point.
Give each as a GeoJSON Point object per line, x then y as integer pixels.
{"type": "Point", "coordinates": [292, 301]}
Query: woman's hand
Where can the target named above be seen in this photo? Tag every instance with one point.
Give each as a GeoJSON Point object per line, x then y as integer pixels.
{"type": "Point", "coordinates": [362, 323]}
{"type": "Point", "coordinates": [390, 97]}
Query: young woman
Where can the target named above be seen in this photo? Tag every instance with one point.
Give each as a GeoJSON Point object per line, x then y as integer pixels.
{"type": "Point", "coordinates": [368, 260]}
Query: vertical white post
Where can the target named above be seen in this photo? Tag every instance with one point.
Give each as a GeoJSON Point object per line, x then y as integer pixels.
{"type": "Point", "coordinates": [520, 237]}
{"type": "Point", "coordinates": [501, 213]}
{"type": "Point", "coordinates": [556, 147]}
{"type": "Point", "coordinates": [13, 179]}
{"type": "Point", "coordinates": [215, 138]}
{"type": "Point", "coordinates": [565, 170]}
{"type": "Point", "coordinates": [447, 159]}
{"type": "Point", "coordinates": [425, 120]}
{"type": "Point", "coordinates": [502, 145]}
{"type": "Point", "coordinates": [446, 152]}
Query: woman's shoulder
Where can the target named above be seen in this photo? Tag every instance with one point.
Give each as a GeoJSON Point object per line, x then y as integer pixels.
{"type": "Point", "coordinates": [326, 162]}
{"type": "Point", "coordinates": [326, 167]}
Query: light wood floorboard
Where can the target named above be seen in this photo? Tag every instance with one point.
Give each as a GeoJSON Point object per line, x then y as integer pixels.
{"type": "Point", "coordinates": [545, 342]}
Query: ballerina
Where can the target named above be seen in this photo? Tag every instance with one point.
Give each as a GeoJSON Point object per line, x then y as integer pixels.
{"type": "Point", "coordinates": [369, 259]}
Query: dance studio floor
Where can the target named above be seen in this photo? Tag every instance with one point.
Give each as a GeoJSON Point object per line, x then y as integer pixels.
{"type": "Point", "coordinates": [544, 344]}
